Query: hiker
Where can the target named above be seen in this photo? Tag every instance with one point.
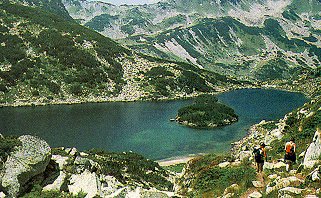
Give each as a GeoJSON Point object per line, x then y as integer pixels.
{"type": "Point", "coordinates": [289, 157]}
{"type": "Point", "coordinates": [259, 155]}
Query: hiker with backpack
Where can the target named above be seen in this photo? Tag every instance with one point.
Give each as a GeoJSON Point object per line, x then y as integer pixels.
{"type": "Point", "coordinates": [259, 155]}
{"type": "Point", "coordinates": [290, 156]}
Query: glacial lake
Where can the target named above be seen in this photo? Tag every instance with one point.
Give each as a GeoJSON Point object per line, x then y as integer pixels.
{"type": "Point", "coordinates": [145, 127]}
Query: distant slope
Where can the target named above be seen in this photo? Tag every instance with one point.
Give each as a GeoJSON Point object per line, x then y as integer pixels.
{"type": "Point", "coordinates": [249, 39]}
{"type": "Point", "coordinates": [230, 47]}
{"type": "Point", "coordinates": [46, 59]}
{"type": "Point", "coordinates": [53, 6]}
{"type": "Point", "coordinates": [128, 20]}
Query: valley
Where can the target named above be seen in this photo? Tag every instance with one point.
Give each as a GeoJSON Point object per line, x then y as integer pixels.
{"type": "Point", "coordinates": [132, 67]}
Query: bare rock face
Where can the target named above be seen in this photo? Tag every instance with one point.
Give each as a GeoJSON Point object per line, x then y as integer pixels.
{"type": "Point", "coordinates": [284, 182]}
{"type": "Point", "coordinates": [313, 153]}
{"type": "Point", "coordinates": [255, 195]}
{"type": "Point", "coordinates": [27, 161]}
{"type": "Point", "coordinates": [290, 192]}
{"type": "Point", "coordinates": [86, 182]}
{"type": "Point", "coordinates": [279, 166]}
{"type": "Point", "coordinates": [245, 155]}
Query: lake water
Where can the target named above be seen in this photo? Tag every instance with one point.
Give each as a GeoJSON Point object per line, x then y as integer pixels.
{"type": "Point", "coordinates": [144, 127]}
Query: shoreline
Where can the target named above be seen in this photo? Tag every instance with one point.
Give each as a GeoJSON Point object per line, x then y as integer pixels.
{"type": "Point", "coordinates": [178, 159]}
{"type": "Point", "coordinates": [70, 101]}
{"type": "Point", "coordinates": [75, 101]}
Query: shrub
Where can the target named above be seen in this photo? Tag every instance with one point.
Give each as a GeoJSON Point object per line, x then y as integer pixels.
{"type": "Point", "coordinates": [217, 179]}
{"type": "Point", "coordinates": [210, 180]}
{"type": "Point", "coordinates": [206, 112]}
{"type": "Point", "coordinates": [7, 145]}
{"type": "Point", "coordinates": [37, 192]}
{"type": "Point", "coordinates": [76, 89]}
{"type": "Point", "coordinates": [127, 167]}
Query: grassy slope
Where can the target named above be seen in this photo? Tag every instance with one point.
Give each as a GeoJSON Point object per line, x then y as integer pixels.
{"type": "Point", "coordinates": [47, 58]}
{"type": "Point", "coordinates": [46, 55]}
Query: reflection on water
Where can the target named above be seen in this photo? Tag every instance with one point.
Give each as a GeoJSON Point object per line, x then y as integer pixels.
{"type": "Point", "coordinates": [144, 127]}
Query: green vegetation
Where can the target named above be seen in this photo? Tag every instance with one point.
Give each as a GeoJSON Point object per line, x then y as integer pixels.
{"type": "Point", "coordinates": [54, 6]}
{"type": "Point", "coordinates": [275, 69]}
{"type": "Point", "coordinates": [311, 38]}
{"type": "Point", "coordinates": [209, 180]}
{"type": "Point", "coordinates": [206, 112]}
{"type": "Point", "coordinates": [187, 79]}
{"type": "Point", "coordinates": [128, 167]}
{"type": "Point", "coordinates": [99, 23]}
{"type": "Point", "coordinates": [59, 151]}
{"type": "Point", "coordinates": [274, 30]}
{"type": "Point", "coordinates": [291, 15]}
{"type": "Point", "coordinates": [7, 145]}
{"type": "Point", "coordinates": [225, 39]}
{"type": "Point", "coordinates": [269, 126]}
{"type": "Point", "coordinates": [176, 20]}
{"type": "Point", "coordinates": [50, 56]}
{"type": "Point", "coordinates": [37, 192]}
{"type": "Point", "coordinates": [50, 59]}
{"type": "Point", "coordinates": [134, 18]}
{"type": "Point", "coordinates": [177, 168]}
{"type": "Point", "coordinates": [301, 128]}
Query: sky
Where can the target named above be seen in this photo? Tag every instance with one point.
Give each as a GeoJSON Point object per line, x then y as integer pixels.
{"type": "Point", "coordinates": [130, 2]}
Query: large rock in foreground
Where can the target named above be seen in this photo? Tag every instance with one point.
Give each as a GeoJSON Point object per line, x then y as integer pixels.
{"type": "Point", "coordinates": [27, 161]}
{"type": "Point", "coordinates": [313, 154]}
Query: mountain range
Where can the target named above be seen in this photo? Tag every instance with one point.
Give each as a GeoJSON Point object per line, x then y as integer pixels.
{"type": "Point", "coordinates": [60, 51]}
{"type": "Point", "coordinates": [263, 40]}
{"type": "Point", "coordinates": [49, 58]}
{"type": "Point", "coordinates": [74, 51]}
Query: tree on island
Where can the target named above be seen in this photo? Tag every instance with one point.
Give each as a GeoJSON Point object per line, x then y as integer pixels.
{"type": "Point", "coordinates": [206, 112]}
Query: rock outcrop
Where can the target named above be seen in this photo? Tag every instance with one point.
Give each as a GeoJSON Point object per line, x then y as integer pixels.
{"type": "Point", "coordinates": [255, 195]}
{"type": "Point", "coordinates": [70, 172]}
{"type": "Point", "coordinates": [284, 182]}
{"type": "Point", "coordinates": [290, 192]}
{"type": "Point", "coordinates": [105, 175]}
{"type": "Point", "coordinates": [86, 182]}
{"type": "Point", "coordinates": [24, 163]}
{"type": "Point", "coordinates": [313, 154]}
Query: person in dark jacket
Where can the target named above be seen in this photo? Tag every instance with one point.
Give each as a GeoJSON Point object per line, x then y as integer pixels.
{"type": "Point", "coordinates": [260, 156]}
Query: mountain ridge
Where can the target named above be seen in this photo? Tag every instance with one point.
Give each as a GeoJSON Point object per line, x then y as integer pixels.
{"type": "Point", "coordinates": [49, 59]}
{"type": "Point", "coordinates": [286, 38]}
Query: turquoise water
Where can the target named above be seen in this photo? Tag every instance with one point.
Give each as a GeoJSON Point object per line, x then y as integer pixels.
{"type": "Point", "coordinates": [144, 127]}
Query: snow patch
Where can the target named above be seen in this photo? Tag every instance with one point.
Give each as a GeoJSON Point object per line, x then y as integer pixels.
{"type": "Point", "coordinates": [235, 38]}
{"type": "Point", "coordinates": [258, 12]}
{"type": "Point", "coordinates": [178, 50]}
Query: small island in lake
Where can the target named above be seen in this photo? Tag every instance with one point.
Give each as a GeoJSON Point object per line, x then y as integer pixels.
{"type": "Point", "coordinates": [206, 112]}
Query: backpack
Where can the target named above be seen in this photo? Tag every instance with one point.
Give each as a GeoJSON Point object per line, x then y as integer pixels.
{"type": "Point", "coordinates": [258, 154]}
{"type": "Point", "coordinates": [289, 148]}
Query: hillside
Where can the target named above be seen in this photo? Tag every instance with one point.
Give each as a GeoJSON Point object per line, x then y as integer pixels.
{"type": "Point", "coordinates": [233, 175]}
{"type": "Point", "coordinates": [127, 20]}
{"type": "Point", "coordinates": [67, 172]}
{"type": "Point", "coordinates": [249, 40]}
{"type": "Point", "coordinates": [47, 59]}
{"type": "Point", "coordinates": [53, 6]}
{"type": "Point", "coordinates": [228, 46]}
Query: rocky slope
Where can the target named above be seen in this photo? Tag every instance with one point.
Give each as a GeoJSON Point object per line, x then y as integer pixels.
{"type": "Point", "coordinates": [47, 59]}
{"type": "Point", "coordinates": [209, 176]}
{"type": "Point", "coordinates": [66, 172]}
{"type": "Point", "coordinates": [33, 169]}
{"type": "Point", "coordinates": [253, 40]}
{"type": "Point", "coordinates": [126, 20]}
